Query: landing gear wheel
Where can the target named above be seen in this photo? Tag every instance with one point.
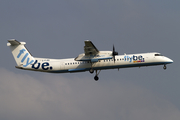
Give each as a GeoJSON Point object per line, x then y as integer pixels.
{"type": "Point", "coordinates": [96, 78]}
{"type": "Point", "coordinates": [91, 71]}
{"type": "Point", "coordinates": [164, 67]}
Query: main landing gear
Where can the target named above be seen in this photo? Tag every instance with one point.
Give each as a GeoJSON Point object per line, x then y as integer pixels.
{"type": "Point", "coordinates": [164, 67]}
{"type": "Point", "coordinates": [91, 70]}
{"type": "Point", "coordinates": [96, 78]}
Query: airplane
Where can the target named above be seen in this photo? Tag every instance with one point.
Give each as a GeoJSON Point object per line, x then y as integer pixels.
{"type": "Point", "coordinates": [91, 60]}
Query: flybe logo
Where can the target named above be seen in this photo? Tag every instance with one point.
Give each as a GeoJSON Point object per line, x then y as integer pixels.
{"type": "Point", "coordinates": [135, 59]}
{"type": "Point", "coordinates": [28, 62]}
{"type": "Point", "coordinates": [36, 65]}
{"type": "Point", "coordinates": [44, 66]}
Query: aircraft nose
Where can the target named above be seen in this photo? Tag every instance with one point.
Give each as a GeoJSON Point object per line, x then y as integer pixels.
{"type": "Point", "coordinates": [169, 60]}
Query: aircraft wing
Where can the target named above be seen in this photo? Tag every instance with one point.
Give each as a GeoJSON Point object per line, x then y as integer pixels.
{"type": "Point", "coordinates": [91, 53]}
{"type": "Point", "coordinates": [90, 49]}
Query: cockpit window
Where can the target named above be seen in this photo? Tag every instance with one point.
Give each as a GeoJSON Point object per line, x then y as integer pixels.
{"type": "Point", "coordinates": [158, 55]}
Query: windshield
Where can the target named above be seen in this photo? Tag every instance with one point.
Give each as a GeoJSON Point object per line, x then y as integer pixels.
{"type": "Point", "coordinates": [158, 54]}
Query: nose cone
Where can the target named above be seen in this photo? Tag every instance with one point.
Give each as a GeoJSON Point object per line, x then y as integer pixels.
{"type": "Point", "coordinates": [168, 60]}
{"type": "Point", "coordinates": [171, 61]}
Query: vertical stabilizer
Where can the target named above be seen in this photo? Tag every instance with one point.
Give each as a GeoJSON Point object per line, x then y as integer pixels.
{"type": "Point", "coordinates": [21, 55]}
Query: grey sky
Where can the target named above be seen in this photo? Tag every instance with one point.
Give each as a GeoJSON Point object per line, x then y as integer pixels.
{"type": "Point", "coordinates": [57, 29]}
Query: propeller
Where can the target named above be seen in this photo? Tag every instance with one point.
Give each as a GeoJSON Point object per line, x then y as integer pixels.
{"type": "Point", "coordinates": [114, 53]}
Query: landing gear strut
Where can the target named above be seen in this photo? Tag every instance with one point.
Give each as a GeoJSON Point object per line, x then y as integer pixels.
{"type": "Point", "coordinates": [96, 78]}
{"type": "Point", "coordinates": [164, 67]}
{"type": "Point", "coordinates": [91, 70]}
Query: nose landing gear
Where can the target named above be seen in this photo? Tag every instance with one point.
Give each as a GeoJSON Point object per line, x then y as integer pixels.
{"type": "Point", "coordinates": [164, 67]}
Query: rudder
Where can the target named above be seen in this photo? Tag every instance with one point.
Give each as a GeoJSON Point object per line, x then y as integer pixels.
{"type": "Point", "coordinates": [21, 55]}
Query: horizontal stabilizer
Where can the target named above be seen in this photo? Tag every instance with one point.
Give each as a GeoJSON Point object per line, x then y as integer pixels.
{"type": "Point", "coordinates": [14, 42]}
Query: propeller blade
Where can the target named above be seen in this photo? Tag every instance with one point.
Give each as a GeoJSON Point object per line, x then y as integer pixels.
{"type": "Point", "coordinates": [113, 48]}
{"type": "Point", "coordinates": [114, 59]}
{"type": "Point", "coordinates": [114, 53]}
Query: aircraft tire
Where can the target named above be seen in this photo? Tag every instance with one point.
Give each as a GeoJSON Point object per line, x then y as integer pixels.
{"type": "Point", "coordinates": [164, 67]}
{"type": "Point", "coordinates": [96, 78]}
{"type": "Point", "coordinates": [91, 71]}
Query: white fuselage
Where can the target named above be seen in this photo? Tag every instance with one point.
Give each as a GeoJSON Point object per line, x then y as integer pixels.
{"type": "Point", "coordinates": [121, 61]}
